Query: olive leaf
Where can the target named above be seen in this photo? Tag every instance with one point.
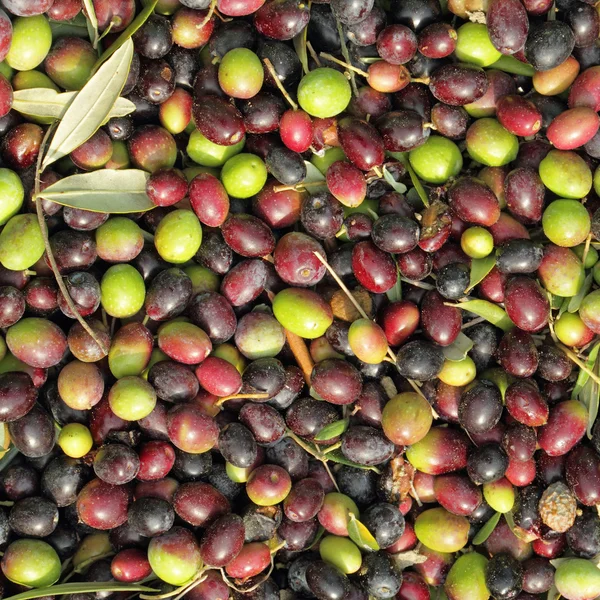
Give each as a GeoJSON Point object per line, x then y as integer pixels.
{"type": "Point", "coordinates": [458, 349]}
{"type": "Point", "coordinates": [396, 185]}
{"type": "Point", "coordinates": [8, 457]}
{"type": "Point", "coordinates": [361, 536]}
{"type": "Point", "coordinates": [480, 267]}
{"type": "Point", "coordinates": [77, 27]}
{"type": "Point", "coordinates": [583, 376]}
{"type": "Point", "coordinates": [314, 394]}
{"type": "Point", "coordinates": [509, 64]}
{"type": "Point", "coordinates": [48, 103]}
{"type": "Point", "coordinates": [553, 593]}
{"type": "Point", "coordinates": [141, 18]}
{"type": "Point", "coordinates": [300, 48]}
{"type": "Point", "coordinates": [487, 310]}
{"type": "Point", "coordinates": [403, 158]}
{"type": "Point", "coordinates": [590, 397]}
{"type": "Point", "coordinates": [106, 190]}
{"type": "Point", "coordinates": [575, 302]}
{"type": "Point", "coordinates": [500, 378]}
{"type": "Point", "coordinates": [337, 457]}
{"type": "Point", "coordinates": [332, 430]}
{"type": "Point", "coordinates": [91, 106]}
{"type": "Point", "coordinates": [81, 588]}
{"type": "Point", "coordinates": [91, 22]}
{"type": "Point", "coordinates": [394, 294]}
{"type": "Point", "coordinates": [313, 175]}
{"type": "Point", "coordinates": [486, 529]}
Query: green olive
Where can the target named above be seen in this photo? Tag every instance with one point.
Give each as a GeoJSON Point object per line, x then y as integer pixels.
{"type": "Point", "coordinates": [244, 175]}
{"type": "Point", "coordinates": [204, 152]}
{"type": "Point", "coordinates": [566, 174]}
{"type": "Point", "coordinates": [21, 242]}
{"type": "Point", "coordinates": [122, 291]}
{"type": "Point", "coordinates": [436, 160]}
{"type": "Point", "coordinates": [324, 93]}
{"type": "Point", "coordinates": [491, 144]}
{"type": "Point", "coordinates": [473, 45]}
{"type": "Point", "coordinates": [178, 236]}
{"type": "Point", "coordinates": [31, 41]}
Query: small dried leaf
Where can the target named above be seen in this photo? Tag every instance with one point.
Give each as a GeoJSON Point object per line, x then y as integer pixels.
{"type": "Point", "coordinates": [48, 103]}
{"type": "Point", "coordinates": [107, 190]}
{"type": "Point", "coordinates": [403, 560]}
{"type": "Point", "coordinates": [92, 105]}
{"type": "Point", "coordinates": [361, 536]}
{"type": "Point", "coordinates": [486, 530]}
{"type": "Point", "coordinates": [343, 308]}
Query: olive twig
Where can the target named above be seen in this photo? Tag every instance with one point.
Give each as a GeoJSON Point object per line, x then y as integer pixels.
{"type": "Point", "coordinates": [278, 83]}
{"type": "Point", "coordinates": [346, 65]}
{"type": "Point", "coordinates": [209, 14]}
{"type": "Point", "coordinates": [44, 231]}
{"type": "Point", "coordinates": [314, 55]}
{"type": "Point", "coordinates": [262, 395]}
{"type": "Point", "coordinates": [314, 452]}
{"type": "Point", "coordinates": [346, 55]}
{"type": "Point", "coordinates": [586, 249]}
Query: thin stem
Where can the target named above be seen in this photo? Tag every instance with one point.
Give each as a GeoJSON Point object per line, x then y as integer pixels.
{"type": "Point", "coordinates": [44, 230]}
{"type": "Point", "coordinates": [588, 241]}
{"type": "Point", "coordinates": [209, 14]}
{"type": "Point", "coordinates": [332, 448]}
{"type": "Point", "coordinates": [301, 354]}
{"type": "Point", "coordinates": [314, 55]}
{"type": "Point", "coordinates": [278, 83]}
{"type": "Point", "coordinates": [346, 65]}
{"type": "Point", "coordinates": [420, 284]}
{"type": "Point", "coordinates": [298, 186]}
{"type": "Point", "coordinates": [346, 55]}
{"type": "Point", "coordinates": [578, 362]}
{"type": "Point", "coordinates": [241, 397]}
{"type": "Point", "coordinates": [314, 452]}
{"type": "Point", "coordinates": [473, 322]}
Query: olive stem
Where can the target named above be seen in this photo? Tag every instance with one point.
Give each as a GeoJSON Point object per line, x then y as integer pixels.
{"type": "Point", "coordinates": [209, 14]}
{"type": "Point", "coordinates": [296, 187]}
{"type": "Point", "coordinates": [241, 397]}
{"type": "Point", "coordinates": [314, 55]}
{"type": "Point", "coordinates": [315, 453]}
{"type": "Point", "coordinates": [44, 231]}
{"type": "Point", "coordinates": [278, 83]}
{"type": "Point", "coordinates": [578, 362]}
{"type": "Point", "coordinates": [346, 65]}
{"type": "Point", "coordinates": [301, 354]}
{"type": "Point", "coordinates": [420, 284]}
{"type": "Point", "coordinates": [85, 564]}
{"type": "Point", "coordinates": [332, 447]}
{"type": "Point", "coordinates": [588, 241]}
{"type": "Point", "coordinates": [473, 322]}
{"type": "Point", "coordinates": [346, 55]}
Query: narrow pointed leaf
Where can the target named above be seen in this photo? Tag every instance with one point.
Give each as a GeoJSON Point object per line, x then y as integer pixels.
{"type": "Point", "coordinates": [480, 267]}
{"type": "Point", "coordinates": [141, 18]}
{"type": "Point", "coordinates": [301, 50]}
{"type": "Point", "coordinates": [313, 175]}
{"type": "Point", "coordinates": [92, 105]}
{"type": "Point", "coordinates": [332, 430]}
{"type": "Point", "coordinates": [575, 302]}
{"type": "Point", "coordinates": [403, 158]}
{"type": "Point", "coordinates": [81, 588]}
{"type": "Point", "coordinates": [396, 185]}
{"type": "Point", "coordinates": [77, 27]}
{"type": "Point", "coordinates": [45, 102]}
{"type": "Point", "coordinates": [107, 190]}
{"type": "Point", "coordinates": [395, 293]}
{"type": "Point", "coordinates": [361, 536]}
{"type": "Point", "coordinates": [458, 349]}
{"type": "Point", "coordinates": [509, 64]}
{"type": "Point", "coordinates": [490, 312]}
{"type": "Point", "coordinates": [486, 530]}
{"type": "Point", "coordinates": [91, 22]}
{"type": "Point", "coordinates": [583, 376]}
{"type": "Point", "coordinates": [337, 457]}
{"type": "Point", "coordinates": [8, 457]}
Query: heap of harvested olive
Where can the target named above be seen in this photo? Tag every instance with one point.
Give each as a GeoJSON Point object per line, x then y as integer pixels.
{"type": "Point", "coordinates": [299, 299]}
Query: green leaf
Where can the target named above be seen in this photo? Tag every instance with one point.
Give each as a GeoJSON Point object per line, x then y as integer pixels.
{"type": "Point", "coordinates": [337, 457]}
{"type": "Point", "coordinates": [141, 18]}
{"type": "Point", "coordinates": [361, 536]}
{"type": "Point", "coordinates": [396, 185]}
{"type": "Point", "coordinates": [395, 293]}
{"type": "Point", "coordinates": [480, 267]}
{"type": "Point", "coordinates": [300, 48]}
{"type": "Point", "coordinates": [313, 175]}
{"type": "Point", "coordinates": [583, 377]}
{"type": "Point", "coordinates": [402, 157]}
{"type": "Point", "coordinates": [8, 458]}
{"type": "Point", "coordinates": [590, 396]}
{"type": "Point", "coordinates": [106, 190]}
{"type": "Point", "coordinates": [332, 430]}
{"type": "Point", "coordinates": [77, 27]}
{"type": "Point", "coordinates": [509, 64]}
{"type": "Point", "coordinates": [458, 349]}
{"type": "Point", "coordinates": [564, 305]}
{"type": "Point", "coordinates": [45, 102]}
{"type": "Point", "coordinates": [81, 588]}
{"type": "Point", "coordinates": [500, 378]}
{"type": "Point", "coordinates": [91, 22]}
{"type": "Point", "coordinates": [91, 106]}
{"type": "Point", "coordinates": [490, 312]}
{"type": "Point", "coordinates": [314, 394]}
{"type": "Point", "coordinates": [486, 530]}
{"type": "Point", "coordinates": [575, 301]}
